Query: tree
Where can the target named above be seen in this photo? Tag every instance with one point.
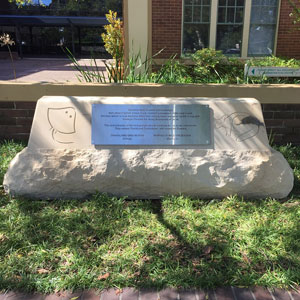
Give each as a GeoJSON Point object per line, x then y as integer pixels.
{"type": "Point", "coordinates": [71, 7]}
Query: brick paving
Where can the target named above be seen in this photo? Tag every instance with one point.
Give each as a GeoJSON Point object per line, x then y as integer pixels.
{"type": "Point", "coordinates": [45, 70]}
{"type": "Point", "coordinates": [234, 293]}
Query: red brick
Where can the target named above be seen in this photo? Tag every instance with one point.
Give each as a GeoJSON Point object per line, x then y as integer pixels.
{"type": "Point", "coordinates": [274, 107]}
{"type": "Point", "coordinates": [7, 104]}
{"type": "Point", "coordinates": [280, 130]}
{"type": "Point", "coordinates": [6, 129]}
{"type": "Point", "coordinates": [293, 107]}
{"type": "Point", "coordinates": [274, 123]}
{"type": "Point", "coordinates": [166, 27]}
{"type": "Point", "coordinates": [13, 113]}
{"type": "Point", "coordinates": [23, 121]}
{"type": "Point", "coordinates": [288, 37]}
{"type": "Point", "coordinates": [15, 137]}
{"type": "Point", "coordinates": [8, 121]}
{"type": "Point", "coordinates": [292, 123]}
{"type": "Point", "coordinates": [268, 115]}
{"type": "Point", "coordinates": [284, 115]}
{"type": "Point", "coordinates": [25, 105]}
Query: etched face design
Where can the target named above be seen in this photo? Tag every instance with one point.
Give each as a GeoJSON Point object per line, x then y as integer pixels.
{"type": "Point", "coordinates": [62, 120]}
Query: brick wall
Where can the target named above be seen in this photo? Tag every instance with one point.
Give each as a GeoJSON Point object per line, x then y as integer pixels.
{"type": "Point", "coordinates": [288, 41]}
{"type": "Point", "coordinates": [166, 27]}
{"type": "Point", "coordinates": [16, 120]}
{"type": "Point", "coordinates": [283, 120]}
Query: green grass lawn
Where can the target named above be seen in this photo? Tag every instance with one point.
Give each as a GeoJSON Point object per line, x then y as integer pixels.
{"type": "Point", "coordinates": [104, 242]}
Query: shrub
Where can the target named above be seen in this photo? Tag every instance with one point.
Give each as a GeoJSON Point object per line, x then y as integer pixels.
{"type": "Point", "coordinates": [207, 61]}
{"type": "Point", "coordinates": [213, 66]}
{"type": "Point", "coordinates": [273, 61]}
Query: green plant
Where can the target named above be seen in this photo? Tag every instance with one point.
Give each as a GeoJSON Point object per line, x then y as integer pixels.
{"type": "Point", "coordinates": [137, 71]}
{"type": "Point", "coordinates": [5, 40]}
{"type": "Point", "coordinates": [206, 62]}
{"type": "Point", "coordinates": [114, 44]}
{"type": "Point", "coordinates": [273, 61]}
{"type": "Point", "coordinates": [86, 74]}
{"type": "Point", "coordinates": [211, 66]}
{"type": "Point", "coordinates": [8, 149]}
{"type": "Point", "coordinates": [113, 38]}
{"type": "Point", "coordinates": [295, 14]}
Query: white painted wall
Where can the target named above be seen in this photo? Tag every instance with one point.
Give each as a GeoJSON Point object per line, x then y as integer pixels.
{"type": "Point", "coordinates": [138, 27]}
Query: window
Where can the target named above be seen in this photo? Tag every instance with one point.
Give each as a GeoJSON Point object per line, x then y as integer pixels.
{"type": "Point", "coordinates": [262, 27]}
{"type": "Point", "coordinates": [230, 26]}
{"type": "Point", "coordinates": [196, 25]}
{"type": "Point", "coordinates": [237, 27]}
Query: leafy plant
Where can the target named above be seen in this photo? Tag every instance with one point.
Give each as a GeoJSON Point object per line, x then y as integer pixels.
{"type": "Point", "coordinates": [207, 61]}
{"type": "Point", "coordinates": [273, 61]}
{"type": "Point", "coordinates": [211, 66]}
{"type": "Point", "coordinates": [295, 14]}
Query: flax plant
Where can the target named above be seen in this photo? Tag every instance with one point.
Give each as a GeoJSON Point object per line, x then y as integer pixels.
{"type": "Point", "coordinates": [5, 40]}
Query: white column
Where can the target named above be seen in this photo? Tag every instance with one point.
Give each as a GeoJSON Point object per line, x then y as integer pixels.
{"type": "Point", "coordinates": [246, 28]}
{"type": "Point", "coordinates": [137, 26]}
{"type": "Point", "coordinates": [213, 24]}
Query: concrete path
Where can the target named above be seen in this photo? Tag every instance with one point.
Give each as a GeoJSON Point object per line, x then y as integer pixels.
{"type": "Point", "coordinates": [44, 69]}
{"type": "Point", "coordinates": [166, 294]}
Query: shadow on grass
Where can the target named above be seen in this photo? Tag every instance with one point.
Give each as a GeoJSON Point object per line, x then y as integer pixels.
{"type": "Point", "coordinates": [107, 242]}
{"type": "Point", "coordinates": [48, 245]}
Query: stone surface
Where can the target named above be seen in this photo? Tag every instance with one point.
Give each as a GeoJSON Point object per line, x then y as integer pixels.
{"type": "Point", "coordinates": [168, 294]}
{"type": "Point", "coordinates": [148, 174]}
{"type": "Point", "coordinates": [280, 294]}
{"type": "Point", "coordinates": [130, 294]}
{"type": "Point", "coordinates": [242, 294]}
{"type": "Point", "coordinates": [261, 293]}
{"type": "Point", "coordinates": [224, 294]}
{"type": "Point", "coordinates": [149, 294]}
{"type": "Point", "coordinates": [65, 122]}
{"type": "Point", "coordinates": [61, 162]}
{"type": "Point", "coordinates": [187, 295]}
{"type": "Point", "coordinates": [110, 294]}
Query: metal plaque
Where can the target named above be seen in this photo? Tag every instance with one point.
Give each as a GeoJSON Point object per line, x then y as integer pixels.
{"type": "Point", "coordinates": [143, 124]}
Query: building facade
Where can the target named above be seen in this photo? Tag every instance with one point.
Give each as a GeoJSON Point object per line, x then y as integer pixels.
{"type": "Point", "coordinates": [242, 28]}
{"type": "Point", "coordinates": [41, 27]}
